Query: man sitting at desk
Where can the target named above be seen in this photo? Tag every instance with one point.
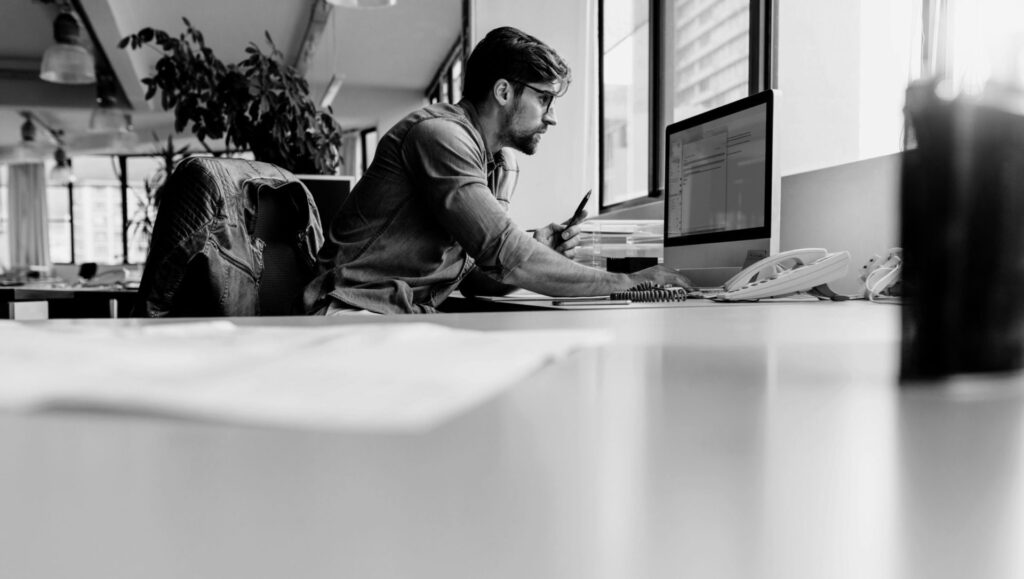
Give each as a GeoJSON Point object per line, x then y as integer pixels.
{"type": "Point", "coordinates": [430, 212]}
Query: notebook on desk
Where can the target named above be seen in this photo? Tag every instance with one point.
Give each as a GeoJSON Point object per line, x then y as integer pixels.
{"type": "Point", "coordinates": [640, 298]}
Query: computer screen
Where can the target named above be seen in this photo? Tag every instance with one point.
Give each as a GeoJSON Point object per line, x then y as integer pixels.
{"type": "Point", "coordinates": [721, 189]}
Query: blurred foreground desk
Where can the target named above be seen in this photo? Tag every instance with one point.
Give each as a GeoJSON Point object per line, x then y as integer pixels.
{"type": "Point", "coordinates": [36, 302]}
{"type": "Point", "coordinates": [740, 441]}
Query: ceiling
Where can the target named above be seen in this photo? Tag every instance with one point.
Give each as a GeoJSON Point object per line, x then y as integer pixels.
{"type": "Point", "coordinates": [376, 51]}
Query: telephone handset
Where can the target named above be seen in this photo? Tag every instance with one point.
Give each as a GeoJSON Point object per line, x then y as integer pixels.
{"type": "Point", "coordinates": [785, 273]}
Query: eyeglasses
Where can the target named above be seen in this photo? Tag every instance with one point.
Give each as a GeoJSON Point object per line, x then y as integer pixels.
{"type": "Point", "coordinates": [547, 96]}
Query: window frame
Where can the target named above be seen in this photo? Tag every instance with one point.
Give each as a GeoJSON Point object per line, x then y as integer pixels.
{"type": "Point", "coordinates": [122, 163]}
{"type": "Point", "coordinates": [367, 156]}
{"type": "Point", "coordinates": [70, 187]}
{"type": "Point", "coordinates": [762, 63]}
{"type": "Point", "coordinates": [442, 87]}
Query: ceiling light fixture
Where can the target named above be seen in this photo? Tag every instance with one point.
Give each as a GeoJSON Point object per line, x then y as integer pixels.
{"type": "Point", "coordinates": [108, 117]}
{"type": "Point", "coordinates": [33, 151]}
{"type": "Point", "coordinates": [61, 174]}
{"type": "Point", "coordinates": [28, 149]}
{"type": "Point", "coordinates": [362, 3]}
{"type": "Point", "coordinates": [28, 130]}
{"type": "Point", "coordinates": [67, 62]}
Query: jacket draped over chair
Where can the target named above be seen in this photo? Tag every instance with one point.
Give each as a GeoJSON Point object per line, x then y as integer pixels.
{"type": "Point", "coordinates": [205, 257]}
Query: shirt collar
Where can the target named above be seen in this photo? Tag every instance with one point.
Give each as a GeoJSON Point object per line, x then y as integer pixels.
{"type": "Point", "coordinates": [497, 159]}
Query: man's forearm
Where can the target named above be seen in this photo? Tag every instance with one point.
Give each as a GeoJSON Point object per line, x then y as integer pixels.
{"type": "Point", "coordinates": [553, 274]}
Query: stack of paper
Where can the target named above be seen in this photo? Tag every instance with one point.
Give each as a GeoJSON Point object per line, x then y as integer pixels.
{"type": "Point", "coordinates": [370, 376]}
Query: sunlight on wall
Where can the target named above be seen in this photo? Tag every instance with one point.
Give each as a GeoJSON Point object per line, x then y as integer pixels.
{"type": "Point", "coordinates": [843, 69]}
{"type": "Point", "coordinates": [987, 43]}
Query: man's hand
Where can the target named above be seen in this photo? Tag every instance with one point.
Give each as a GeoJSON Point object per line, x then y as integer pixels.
{"type": "Point", "coordinates": [661, 275]}
{"type": "Point", "coordinates": [561, 237]}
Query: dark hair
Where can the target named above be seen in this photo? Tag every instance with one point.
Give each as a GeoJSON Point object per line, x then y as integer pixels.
{"type": "Point", "coordinates": [514, 55]}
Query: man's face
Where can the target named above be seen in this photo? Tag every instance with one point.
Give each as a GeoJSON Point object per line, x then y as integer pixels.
{"type": "Point", "coordinates": [529, 117]}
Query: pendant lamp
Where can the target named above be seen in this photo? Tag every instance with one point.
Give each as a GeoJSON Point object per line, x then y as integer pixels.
{"type": "Point", "coordinates": [67, 61]}
{"type": "Point", "coordinates": [108, 117]}
{"type": "Point", "coordinates": [61, 174]}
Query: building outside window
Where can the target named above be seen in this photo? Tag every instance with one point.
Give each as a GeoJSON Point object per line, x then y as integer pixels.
{"type": "Point", "coordinates": [98, 223]}
{"type": "Point", "coordinates": [86, 218]}
{"type": "Point", "coordinates": [707, 43]}
{"type": "Point", "coordinates": [86, 223]}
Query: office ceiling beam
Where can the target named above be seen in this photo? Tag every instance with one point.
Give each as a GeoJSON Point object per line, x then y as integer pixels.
{"type": "Point", "coordinates": [20, 84]}
{"type": "Point", "coordinates": [19, 69]}
{"type": "Point", "coordinates": [319, 15]}
{"type": "Point", "coordinates": [129, 66]}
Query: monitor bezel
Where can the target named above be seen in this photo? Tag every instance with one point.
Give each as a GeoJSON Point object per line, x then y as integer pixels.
{"type": "Point", "coordinates": [763, 232]}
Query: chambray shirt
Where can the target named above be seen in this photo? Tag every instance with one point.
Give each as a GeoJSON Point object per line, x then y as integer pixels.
{"type": "Point", "coordinates": [431, 207]}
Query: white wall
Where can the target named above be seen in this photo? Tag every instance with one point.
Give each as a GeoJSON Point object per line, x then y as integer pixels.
{"type": "Point", "coordinates": [852, 207]}
{"type": "Point", "coordinates": [843, 69]}
{"type": "Point", "coordinates": [553, 180]}
{"type": "Point", "coordinates": [379, 107]}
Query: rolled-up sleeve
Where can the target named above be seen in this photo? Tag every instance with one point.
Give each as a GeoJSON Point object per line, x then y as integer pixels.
{"type": "Point", "coordinates": [448, 166]}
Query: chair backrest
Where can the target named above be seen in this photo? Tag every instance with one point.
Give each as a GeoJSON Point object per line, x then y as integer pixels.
{"type": "Point", "coordinates": [329, 193]}
{"type": "Point", "coordinates": [280, 225]}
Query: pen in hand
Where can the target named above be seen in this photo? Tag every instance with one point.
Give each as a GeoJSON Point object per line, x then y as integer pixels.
{"type": "Point", "coordinates": [577, 216]}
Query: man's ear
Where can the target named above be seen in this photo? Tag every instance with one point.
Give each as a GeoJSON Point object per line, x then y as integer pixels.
{"type": "Point", "coordinates": [503, 92]}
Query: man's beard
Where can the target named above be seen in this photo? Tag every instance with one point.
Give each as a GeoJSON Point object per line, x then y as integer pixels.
{"type": "Point", "coordinates": [522, 140]}
{"type": "Point", "coordinates": [525, 141]}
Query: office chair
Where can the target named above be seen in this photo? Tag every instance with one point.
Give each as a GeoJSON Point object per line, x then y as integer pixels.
{"type": "Point", "coordinates": [232, 238]}
{"type": "Point", "coordinates": [280, 225]}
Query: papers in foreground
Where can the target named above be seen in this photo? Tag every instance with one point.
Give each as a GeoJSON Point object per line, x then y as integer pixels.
{"type": "Point", "coordinates": [353, 377]}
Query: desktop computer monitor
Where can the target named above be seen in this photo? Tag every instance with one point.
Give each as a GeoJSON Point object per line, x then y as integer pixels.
{"type": "Point", "coordinates": [722, 190]}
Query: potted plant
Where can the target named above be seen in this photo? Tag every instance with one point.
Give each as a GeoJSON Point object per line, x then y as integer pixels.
{"type": "Point", "coordinates": [259, 104]}
{"type": "Point", "coordinates": [142, 222]}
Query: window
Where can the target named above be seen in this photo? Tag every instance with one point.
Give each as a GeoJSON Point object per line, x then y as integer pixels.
{"type": "Point", "coordinates": [96, 207]}
{"type": "Point", "coordinates": [625, 98]}
{"type": "Point", "coordinates": [444, 94]}
{"type": "Point", "coordinates": [5, 223]}
{"type": "Point", "coordinates": [664, 61]}
{"type": "Point", "coordinates": [142, 176]}
{"type": "Point", "coordinates": [455, 79]}
{"type": "Point", "coordinates": [974, 43]}
{"type": "Point", "coordinates": [105, 215]}
{"type": "Point", "coordinates": [710, 43]}
{"type": "Point", "coordinates": [58, 205]}
{"type": "Point", "coordinates": [85, 217]}
{"type": "Point", "coordinates": [447, 84]}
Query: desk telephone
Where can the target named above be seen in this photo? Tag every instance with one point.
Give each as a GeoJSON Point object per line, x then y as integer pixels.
{"type": "Point", "coordinates": [785, 273]}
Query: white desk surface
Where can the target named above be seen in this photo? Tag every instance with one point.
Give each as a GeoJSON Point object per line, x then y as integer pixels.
{"type": "Point", "coordinates": [739, 441]}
